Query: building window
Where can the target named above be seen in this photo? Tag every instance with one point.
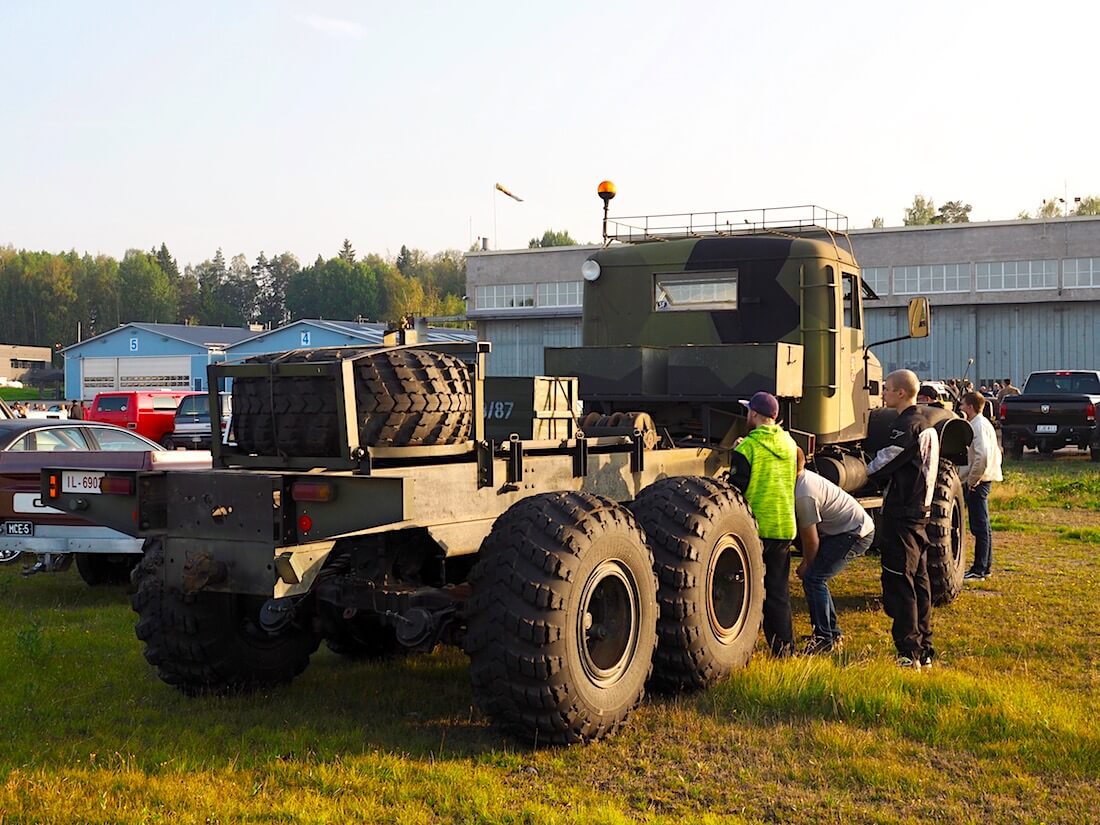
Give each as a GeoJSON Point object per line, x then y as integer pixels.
{"type": "Point", "coordinates": [23, 364]}
{"type": "Point", "coordinates": [560, 294]}
{"type": "Point", "coordinates": [921, 280]}
{"type": "Point", "coordinates": [997, 275]}
{"type": "Point", "coordinates": [878, 278]}
{"type": "Point", "coordinates": [505, 296]}
{"type": "Point", "coordinates": [1081, 272]}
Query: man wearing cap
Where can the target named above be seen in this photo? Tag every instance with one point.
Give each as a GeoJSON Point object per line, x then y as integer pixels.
{"type": "Point", "coordinates": [762, 466]}
{"type": "Point", "coordinates": [927, 395]}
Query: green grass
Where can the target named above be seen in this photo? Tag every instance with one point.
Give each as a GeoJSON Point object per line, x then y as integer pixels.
{"type": "Point", "coordinates": [10, 394]}
{"type": "Point", "coordinates": [1003, 729]}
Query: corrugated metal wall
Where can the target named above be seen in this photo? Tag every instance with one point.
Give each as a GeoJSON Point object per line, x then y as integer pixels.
{"type": "Point", "coordinates": [518, 343]}
{"type": "Point", "coordinates": [1005, 340]}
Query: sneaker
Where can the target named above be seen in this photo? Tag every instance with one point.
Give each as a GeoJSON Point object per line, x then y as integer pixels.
{"type": "Point", "coordinates": [818, 644]}
{"type": "Point", "coordinates": [926, 659]}
{"type": "Point", "coordinates": [908, 662]}
{"type": "Point", "coordinates": [973, 576]}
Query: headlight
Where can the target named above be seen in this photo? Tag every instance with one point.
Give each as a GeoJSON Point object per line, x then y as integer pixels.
{"type": "Point", "coordinates": [590, 270]}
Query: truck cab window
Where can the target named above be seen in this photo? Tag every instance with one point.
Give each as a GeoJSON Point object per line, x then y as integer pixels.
{"type": "Point", "coordinates": [852, 314]}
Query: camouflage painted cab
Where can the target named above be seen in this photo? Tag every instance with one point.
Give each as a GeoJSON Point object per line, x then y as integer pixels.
{"type": "Point", "coordinates": [714, 319]}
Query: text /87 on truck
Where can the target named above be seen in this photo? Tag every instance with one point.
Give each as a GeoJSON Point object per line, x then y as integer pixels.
{"type": "Point", "coordinates": [365, 501]}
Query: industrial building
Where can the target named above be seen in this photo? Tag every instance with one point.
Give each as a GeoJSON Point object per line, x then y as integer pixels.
{"type": "Point", "coordinates": [16, 361]}
{"type": "Point", "coordinates": [175, 356]}
{"type": "Point", "coordinates": [1014, 296]}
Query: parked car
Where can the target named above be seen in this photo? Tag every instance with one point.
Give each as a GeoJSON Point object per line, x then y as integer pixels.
{"type": "Point", "coordinates": [1056, 408]}
{"type": "Point", "coordinates": [103, 556]}
{"type": "Point", "coordinates": [55, 411]}
{"type": "Point", "coordinates": [151, 414]}
{"type": "Point", "coordinates": [192, 424]}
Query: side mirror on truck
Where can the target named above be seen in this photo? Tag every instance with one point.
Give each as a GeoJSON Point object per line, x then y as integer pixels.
{"type": "Point", "coordinates": [919, 325]}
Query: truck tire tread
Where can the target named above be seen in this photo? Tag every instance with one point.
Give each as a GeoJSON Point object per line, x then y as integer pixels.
{"type": "Point", "coordinates": [678, 516]}
{"type": "Point", "coordinates": [524, 584]}
{"type": "Point", "coordinates": [195, 641]}
{"type": "Point", "coordinates": [947, 545]}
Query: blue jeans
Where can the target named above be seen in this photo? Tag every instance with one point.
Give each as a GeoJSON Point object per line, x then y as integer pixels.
{"type": "Point", "coordinates": [833, 555]}
{"type": "Point", "coordinates": [977, 507]}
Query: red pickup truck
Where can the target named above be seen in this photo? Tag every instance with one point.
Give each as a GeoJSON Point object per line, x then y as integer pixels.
{"type": "Point", "coordinates": [151, 414]}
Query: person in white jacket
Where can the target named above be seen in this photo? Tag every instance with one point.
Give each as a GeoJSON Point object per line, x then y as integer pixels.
{"type": "Point", "coordinates": [983, 467]}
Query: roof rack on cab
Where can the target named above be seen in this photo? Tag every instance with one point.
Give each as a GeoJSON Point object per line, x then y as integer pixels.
{"type": "Point", "coordinates": [793, 221]}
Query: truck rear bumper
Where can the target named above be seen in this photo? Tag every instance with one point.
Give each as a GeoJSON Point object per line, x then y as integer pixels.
{"type": "Point", "coordinates": [61, 540]}
{"type": "Point", "coordinates": [1027, 435]}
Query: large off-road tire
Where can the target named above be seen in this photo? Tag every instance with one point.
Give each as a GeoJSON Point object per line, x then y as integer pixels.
{"type": "Point", "coordinates": [289, 415]}
{"type": "Point", "coordinates": [710, 573]}
{"type": "Point", "coordinates": [405, 398]}
{"type": "Point", "coordinates": [8, 556]}
{"type": "Point", "coordinates": [947, 536]}
{"type": "Point", "coordinates": [562, 620]}
{"type": "Point", "coordinates": [413, 398]}
{"type": "Point", "coordinates": [212, 642]}
{"type": "Point", "coordinates": [101, 569]}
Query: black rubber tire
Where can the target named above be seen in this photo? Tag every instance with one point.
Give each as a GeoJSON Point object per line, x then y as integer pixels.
{"type": "Point", "coordinates": [293, 416]}
{"type": "Point", "coordinates": [106, 570]}
{"type": "Point", "coordinates": [413, 398]}
{"type": "Point", "coordinates": [8, 556]}
{"type": "Point", "coordinates": [1094, 453]}
{"type": "Point", "coordinates": [210, 643]}
{"type": "Point", "coordinates": [703, 535]}
{"type": "Point", "coordinates": [947, 536]}
{"type": "Point", "coordinates": [167, 443]}
{"type": "Point", "coordinates": [1015, 452]}
{"type": "Point", "coordinates": [562, 622]}
{"type": "Point", "coordinates": [405, 398]}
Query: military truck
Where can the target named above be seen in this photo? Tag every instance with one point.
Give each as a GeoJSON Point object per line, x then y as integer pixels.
{"type": "Point", "coordinates": [362, 501]}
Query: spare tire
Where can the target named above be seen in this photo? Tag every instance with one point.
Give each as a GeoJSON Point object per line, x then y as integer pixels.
{"type": "Point", "coordinates": [405, 398]}
{"type": "Point", "coordinates": [413, 398]}
{"type": "Point", "coordinates": [947, 536]}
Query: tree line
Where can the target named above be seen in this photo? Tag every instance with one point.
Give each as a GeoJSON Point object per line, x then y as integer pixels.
{"type": "Point", "coordinates": [49, 298]}
{"type": "Point", "coordinates": [923, 211]}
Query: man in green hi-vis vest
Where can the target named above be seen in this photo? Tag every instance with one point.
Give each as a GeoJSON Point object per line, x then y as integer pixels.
{"type": "Point", "coordinates": [762, 466]}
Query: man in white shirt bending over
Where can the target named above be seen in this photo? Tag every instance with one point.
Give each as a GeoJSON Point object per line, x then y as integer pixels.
{"type": "Point", "coordinates": [983, 467]}
{"type": "Point", "coordinates": [833, 529]}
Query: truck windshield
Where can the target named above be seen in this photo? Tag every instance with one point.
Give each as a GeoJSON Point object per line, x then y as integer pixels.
{"type": "Point", "coordinates": [1072, 383]}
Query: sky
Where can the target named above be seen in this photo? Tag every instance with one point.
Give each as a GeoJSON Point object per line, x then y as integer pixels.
{"type": "Point", "coordinates": [271, 125]}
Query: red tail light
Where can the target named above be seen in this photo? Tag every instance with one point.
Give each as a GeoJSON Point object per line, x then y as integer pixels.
{"type": "Point", "coordinates": [312, 491]}
{"type": "Point", "coordinates": [1090, 412]}
{"type": "Point", "coordinates": [1002, 413]}
{"type": "Point", "coordinates": [116, 485]}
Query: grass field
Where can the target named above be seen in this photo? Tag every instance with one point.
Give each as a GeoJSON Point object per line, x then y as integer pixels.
{"type": "Point", "coordinates": [11, 394]}
{"type": "Point", "coordinates": [1004, 729]}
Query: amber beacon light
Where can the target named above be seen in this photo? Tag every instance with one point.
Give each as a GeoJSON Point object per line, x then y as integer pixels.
{"type": "Point", "coordinates": [606, 191]}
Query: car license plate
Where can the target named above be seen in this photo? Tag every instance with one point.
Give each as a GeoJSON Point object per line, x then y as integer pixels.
{"type": "Point", "coordinates": [18, 528]}
{"type": "Point", "coordinates": [1046, 428]}
{"type": "Point", "coordinates": [73, 481]}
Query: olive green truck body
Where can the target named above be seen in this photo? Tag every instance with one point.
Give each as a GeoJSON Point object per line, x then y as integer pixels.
{"type": "Point", "coordinates": [382, 501]}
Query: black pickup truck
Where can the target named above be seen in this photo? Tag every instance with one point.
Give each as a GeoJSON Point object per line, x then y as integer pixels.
{"type": "Point", "coordinates": [1056, 408]}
